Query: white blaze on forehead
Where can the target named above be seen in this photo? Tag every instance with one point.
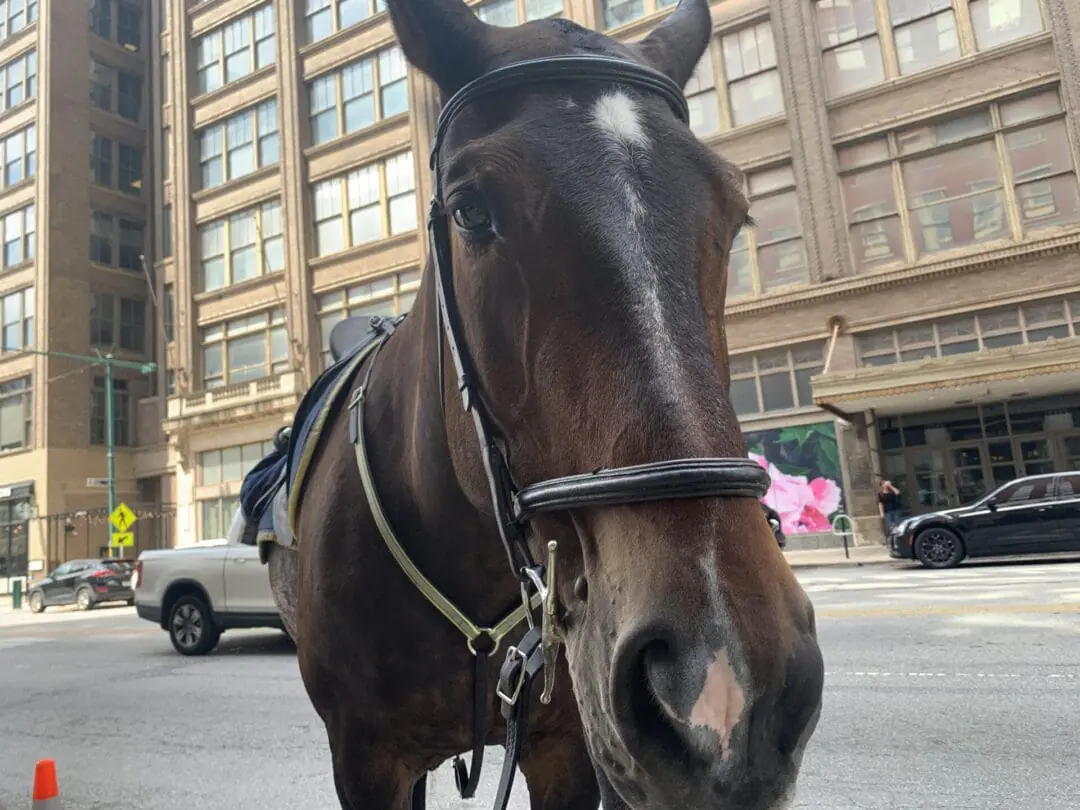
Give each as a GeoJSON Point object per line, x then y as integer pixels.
{"type": "Point", "coordinates": [618, 119]}
{"type": "Point", "coordinates": [616, 116]}
{"type": "Point", "coordinates": [721, 702]}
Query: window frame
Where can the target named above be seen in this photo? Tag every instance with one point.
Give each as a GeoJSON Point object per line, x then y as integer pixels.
{"type": "Point", "coordinates": [261, 211]}
{"type": "Point", "coordinates": [26, 321]}
{"type": "Point", "coordinates": [122, 421]}
{"type": "Point", "coordinates": [794, 367]}
{"type": "Point", "coordinates": [889, 50]}
{"type": "Point", "coordinates": [27, 84]}
{"type": "Point", "coordinates": [336, 77]}
{"type": "Point", "coordinates": [222, 133]}
{"type": "Point", "coordinates": [218, 333]}
{"type": "Point", "coordinates": [345, 212]}
{"type": "Point", "coordinates": [521, 11]}
{"type": "Point", "coordinates": [894, 157]}
{"type": "Point", "coordinates": [361, 297]}
{"type": "Point", "coordinates": [332, 10]}
{"type": "Point", "coordinates": [20, 388]}
{"type": "Point", "coordinates": [250, 21]}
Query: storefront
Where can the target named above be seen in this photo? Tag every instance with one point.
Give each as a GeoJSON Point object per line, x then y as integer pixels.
{"type": "Point", "coordinates": [952, 457]}
{"type": "Point", "coordinates": [16, 506]}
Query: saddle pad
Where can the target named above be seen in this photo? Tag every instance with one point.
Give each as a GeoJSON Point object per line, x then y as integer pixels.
{"type": "Point", "coordinates": [286, 465]}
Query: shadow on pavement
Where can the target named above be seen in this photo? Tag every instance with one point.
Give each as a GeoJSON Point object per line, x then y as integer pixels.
{"type": "Point", "coordinates": [242, 643]}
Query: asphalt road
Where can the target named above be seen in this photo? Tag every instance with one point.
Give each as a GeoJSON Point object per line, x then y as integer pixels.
{"type": "Point", "coordinates": [953, 690]}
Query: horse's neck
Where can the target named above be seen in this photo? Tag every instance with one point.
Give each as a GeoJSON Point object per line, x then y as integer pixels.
{"type": "Point", "coordinates": [442, 531]}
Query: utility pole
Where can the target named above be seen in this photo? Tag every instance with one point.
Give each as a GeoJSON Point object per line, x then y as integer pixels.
{"type": "Point", "coordinates": [109, 362]}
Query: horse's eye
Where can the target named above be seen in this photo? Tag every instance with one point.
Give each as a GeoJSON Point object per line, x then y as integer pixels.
{"type": "Point", "coordinates": [472, 217]}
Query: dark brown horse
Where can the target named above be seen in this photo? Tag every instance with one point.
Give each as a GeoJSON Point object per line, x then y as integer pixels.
{"type": "Point", "coordinates": [581, 236]}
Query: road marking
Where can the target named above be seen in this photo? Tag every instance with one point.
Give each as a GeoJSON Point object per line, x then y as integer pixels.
{"type": "Point", "coordinates": [1052, 676]}
{"type": "Point", "coordinates": [943, 610]}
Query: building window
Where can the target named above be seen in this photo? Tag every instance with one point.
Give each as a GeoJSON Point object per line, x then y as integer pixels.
{"type": "Point", "coordinates": [245, 349]}
{"type": "Point", "coordinates": [369, 203]}
{"type": "Point", "coordinates": [239, 145]}
{"type": "Point", "coordinates": [18, 315]}
{"type": "Point", "coordinates": [744, 62]}
{"type": "Point", "coordinates": [101, 159]}
{"type": "Point", "coordinates": [923, 34]}
{"type": "Point", "coordinates": [234, 50]}
{"type": "Point", "coordinates": [132, 325]}
{"type": "Point", "coordinates": [621, 12]}
{"type": "Point", "coordinates": [101, 238]}
{"type": "Point", "coordinates": [116, 242]}
{"type": "Point", "coordinates": [242, 246]}
{"type": "Point", "coordinates": [129, 89]}
{"type": "Point", "coordinates": [102, 319]}
{"type": "Point", "coordinates": [390, 295]}
{"type": "Point", "coordinates": [216, 516]}
{"type": "Point", "coordinates": [131, 245]}
{"type": "Point", "coordinates": [777, 380]}
{"type": "Point", "coordinates": [16, 414]}
{"type": "Point", "coordinates": [129, 20]}
{"type": "Point", "coordinates": [20, 230]}
{"type": "Point", "coordinates": [121, 413]}
{"type": "Point", "coordinates": [515, 12]}
{"type": "Point", "coordinates": [101, 85]}
{"type": "Point", "coordinates": [15, 15]}
{"type": "Point", "coordinates": [129, 169]}
{"type": "Point", "coordinates": [231, 464]}
{"type": "Point", "coordinates": [771, 255]}
{"type": "Point", "coordinates": [101, 17]}
{"type": "Point", "coordinates": [19, 80]}
{"type": "Point", "coordinates": [346, 100]}
{"type": "Point", "coordinates": [970, 333]}
{"type": "Point", "coordinates": [323, 17]}
{"type": "Point", "coordinates": [166, 231]}
{"type": "Point", "coordinates": [19, 153]}
{"type": "Point", "coordinates": [168, 314]}
{"type": "Point", "coordinates": [953, 183]}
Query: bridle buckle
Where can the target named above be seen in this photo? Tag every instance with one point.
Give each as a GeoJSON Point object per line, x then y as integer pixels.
{"type": "Point", "coordinates": [517, 674]}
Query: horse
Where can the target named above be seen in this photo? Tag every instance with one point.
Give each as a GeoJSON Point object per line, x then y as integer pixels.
{"type": "Point", "coordinates": [557, 399]}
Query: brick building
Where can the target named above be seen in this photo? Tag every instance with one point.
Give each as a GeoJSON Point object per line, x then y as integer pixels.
{"type": "Point", "coordinates": [908, 304]}
{"type": "Point", "coordinates": [73, 202]}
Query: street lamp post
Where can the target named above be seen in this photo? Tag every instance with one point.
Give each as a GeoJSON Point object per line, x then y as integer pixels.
{"type": "Point", "coordinates": [109, 362]}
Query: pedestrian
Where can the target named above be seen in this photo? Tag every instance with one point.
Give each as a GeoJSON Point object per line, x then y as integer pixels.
{"type": "Point", "coordinates": [889, 504]}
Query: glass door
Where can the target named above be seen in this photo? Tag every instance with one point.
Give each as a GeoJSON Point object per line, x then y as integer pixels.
{"type": "Point", "coordinates": [931, 483]}
{"type": "Point", "coordinates": [1002, 463]}
{"type": "Point", "coordinates": [968, 476]}
{"type": "Point", "coordinates": [1035, 456]}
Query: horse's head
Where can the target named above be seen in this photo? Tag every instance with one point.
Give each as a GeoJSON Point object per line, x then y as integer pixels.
{"type": "Point", "coordinates": [589, 237]}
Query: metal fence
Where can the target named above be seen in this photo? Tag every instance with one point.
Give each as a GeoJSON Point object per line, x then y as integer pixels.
{"type": "Point", "coordinates": [85, 534]}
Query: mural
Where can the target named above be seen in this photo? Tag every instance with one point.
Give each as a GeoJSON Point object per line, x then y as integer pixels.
{"type": "Point", "coordinates": [804, 464]}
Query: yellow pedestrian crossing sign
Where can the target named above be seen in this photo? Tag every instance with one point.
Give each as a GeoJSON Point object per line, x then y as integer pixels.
{"type": "Point", "coordinates": [122, 539]}
{"type": "Point", "coordinates": [122, 517]}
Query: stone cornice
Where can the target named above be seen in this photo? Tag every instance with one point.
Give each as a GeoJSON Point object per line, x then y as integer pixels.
{"type": "Point", "coordinates": [857, 285]}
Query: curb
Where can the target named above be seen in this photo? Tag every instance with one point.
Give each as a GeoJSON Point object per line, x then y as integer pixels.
{"type": "Point", "coordinates": [844, 564]}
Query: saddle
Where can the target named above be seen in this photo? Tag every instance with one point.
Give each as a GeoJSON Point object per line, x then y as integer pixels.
{"type": "Point", "coordinates": [271, 490]}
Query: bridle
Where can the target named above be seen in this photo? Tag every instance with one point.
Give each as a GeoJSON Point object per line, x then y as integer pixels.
{"type": "Point", "coordinates": [516, 507]}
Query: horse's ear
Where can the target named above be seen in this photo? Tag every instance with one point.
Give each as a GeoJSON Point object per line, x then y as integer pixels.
{"type": "Point", "coordinates": [675, 46]}
{"type": "Point", "coordinates": [441, 38]}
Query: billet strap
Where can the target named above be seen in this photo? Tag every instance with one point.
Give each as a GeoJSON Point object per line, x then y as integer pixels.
{"type": "Point", "coordinates": [523, 663]}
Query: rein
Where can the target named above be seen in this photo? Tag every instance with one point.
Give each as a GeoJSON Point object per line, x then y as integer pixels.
{"type": "Point", "coordinates": [515, 507]}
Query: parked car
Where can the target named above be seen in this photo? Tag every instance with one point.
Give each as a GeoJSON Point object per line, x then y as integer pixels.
{"type": "Point", "coordinates": [1036, 514]}
{"type": "Point", "coordinates": [195, 593]}
{"type": "Point", "coordinates": [85, 583]}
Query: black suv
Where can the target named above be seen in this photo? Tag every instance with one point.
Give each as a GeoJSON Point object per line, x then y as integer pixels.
{"type": "Point", "coordinates": [1037, 514]}
{"type": "Point", "coordinates": [84, 583]}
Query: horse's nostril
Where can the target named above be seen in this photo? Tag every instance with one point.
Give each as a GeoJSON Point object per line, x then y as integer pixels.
{"type": "Point", "coordinates": [640, 692]}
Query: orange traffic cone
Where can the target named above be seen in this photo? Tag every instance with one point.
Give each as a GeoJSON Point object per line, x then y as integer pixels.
{"type": "Point", "coordinates": [46, 792]}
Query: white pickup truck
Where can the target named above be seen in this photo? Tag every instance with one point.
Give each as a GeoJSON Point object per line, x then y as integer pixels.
{"type": "Point", "coordinates": [197, 592]}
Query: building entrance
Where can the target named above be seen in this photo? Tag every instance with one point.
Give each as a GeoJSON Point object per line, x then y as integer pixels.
{"type": "Point", "coordinates": [950, 458]}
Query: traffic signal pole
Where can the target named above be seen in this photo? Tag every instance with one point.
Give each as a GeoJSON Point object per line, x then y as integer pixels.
{"type": "Point", "coordinates": [109, 363]}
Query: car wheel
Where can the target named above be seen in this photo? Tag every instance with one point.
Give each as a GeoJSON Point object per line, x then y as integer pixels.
{"type": "Point", "coordinates": [939, 548]}
{"type": "Point", "coordinates": [191, 628]}
{"type": "Point", "coordinates": [37, 601]}
{"type": "Point", "coordinates": [84, 598]}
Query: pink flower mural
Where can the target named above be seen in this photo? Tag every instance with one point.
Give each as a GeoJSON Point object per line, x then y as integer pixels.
{"type": "Point", "coordinates": [807, 495]}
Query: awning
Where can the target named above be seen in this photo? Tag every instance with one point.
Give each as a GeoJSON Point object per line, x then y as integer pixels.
{"type": "Point", "coordinates": [1039, 369]}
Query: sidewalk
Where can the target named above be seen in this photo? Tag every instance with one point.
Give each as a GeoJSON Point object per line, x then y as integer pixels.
{"type": "Point", "coordinates": [834, 557]}
{"type": "Point", "coordinates": [9, 617]}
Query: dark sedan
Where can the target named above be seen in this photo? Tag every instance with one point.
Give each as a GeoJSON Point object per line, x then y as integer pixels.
{"type": "Point", "coordinates": [85, 583]}
{"type": "Point", "coordinates": [1037, 514]}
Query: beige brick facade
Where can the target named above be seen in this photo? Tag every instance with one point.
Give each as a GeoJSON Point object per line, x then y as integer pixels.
{"type": "Point", "coordinates": [790, 91]}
